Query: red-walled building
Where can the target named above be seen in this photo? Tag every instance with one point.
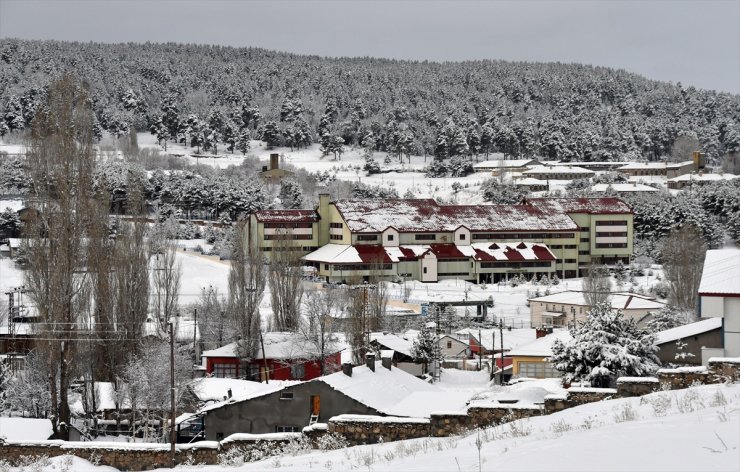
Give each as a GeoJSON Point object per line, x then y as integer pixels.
{"type": "Point", "coordinates": [287, 356]}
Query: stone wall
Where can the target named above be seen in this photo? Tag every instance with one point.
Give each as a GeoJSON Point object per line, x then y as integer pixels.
{"type": "Point", "coordinates": [135, 457]}
{"type": "Point", "coordinates": [725, 369]}
{"type": "Point", "coordinates": [684, 377]}
{"type": "Point", "coordinates": [637, 386]}
{"type": "Point", "coordinates": [448, 424]}
{"type": "Point", "coordinates": [484, 416]}
{"type": "Point", "coordinates": [365, 429]}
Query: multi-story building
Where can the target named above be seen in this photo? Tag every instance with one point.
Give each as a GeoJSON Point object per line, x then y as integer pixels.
{"type": "Point", "coordinates": [419, 239]}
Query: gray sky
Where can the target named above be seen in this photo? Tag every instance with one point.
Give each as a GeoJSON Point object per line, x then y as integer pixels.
{"type": "Point", "coordinates": [694, 42]}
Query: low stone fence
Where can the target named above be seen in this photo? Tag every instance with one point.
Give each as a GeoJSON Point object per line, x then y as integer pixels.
{"type": "Point", "coordinates": [315, 432]}
{"type": "Point", "coordinates": [247, 441]}
{"type": "Point", "coordinates": [684, 377]}
{"type": "Point", "coordinates": [637, 386]}
{"type": "Point", "coordinates": [725, 369]}
{"type": "Point", "coordinates": [482, 416]}
{"type": "Point", "coordinates": [367, 429]}
{"type": "Point", "coordinates": [445, 424]}
{"type": "Point", "coordinates": [122, 456]}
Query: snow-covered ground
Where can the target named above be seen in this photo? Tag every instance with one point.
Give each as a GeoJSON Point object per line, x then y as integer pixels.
{"type": "Point", "coordinates": [684, 430]}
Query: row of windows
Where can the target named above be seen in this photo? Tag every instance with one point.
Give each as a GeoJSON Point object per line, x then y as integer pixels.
{"type": "Point", "coordinates": [363, 267]}
{"type": "Point", "coordinates": [561, 246]}
{"type": "Point", "coordinates": [224, 371]}
{"type": "Point", "coordinates": [610, 233]}
{"type": "Point", "coordinates": [335, 236]}
{"type": "Point", "coordinates": [612, 223]}
{"type": "Point", "coordinates": [514, 265]}
{"type": "Point", "coordinates": [453, 274]}
{"type": "Point", "coordinates": [289, 236]}
{"type": "Point", "coordinates": [288, 225]}
{"type": "Point", "coordinates": [521, 236]}
{"type": "Point", "coordinates": [290, 248]}
{"type": "Point", "coordinates": [336, 225]}
{"type": "Point", "coordinates": [368, 237]}
{"type": "Point", "coordinates": [607, 245]}
{"type": "Point", "coordinates": [425, 237]}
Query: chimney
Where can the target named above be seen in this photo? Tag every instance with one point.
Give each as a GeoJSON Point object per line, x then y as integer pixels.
{"type": "Point", "coordinates": [228, 393]}
{"type": "Point", "coordinates": [540, 333]}
{"type": "Point", "coordinates": [387, 362]}
{"type": "Point", "coordinates": [347, 369]}
{"type": "Point", "coordinates": [370, 361]}
{"type": "Point", "coordinates": [274, 161]}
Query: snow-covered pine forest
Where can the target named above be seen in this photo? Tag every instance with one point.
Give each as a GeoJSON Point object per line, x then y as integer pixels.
{"type": "Point", "coordinates": [221, 97]}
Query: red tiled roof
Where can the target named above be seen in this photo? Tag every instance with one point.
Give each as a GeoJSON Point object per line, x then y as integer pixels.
{"type": "Point", "coordinates": [447, 251]}
{"type": "Point", "coordinates": [372, 254]}
{"type": "Point", "coordinates": [286, 216]}
{"type": "Point", "coordinates": [542, 253]}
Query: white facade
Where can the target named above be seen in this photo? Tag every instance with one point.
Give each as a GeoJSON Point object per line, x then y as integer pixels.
{"type": "Point", "coordinates": [719, 295]}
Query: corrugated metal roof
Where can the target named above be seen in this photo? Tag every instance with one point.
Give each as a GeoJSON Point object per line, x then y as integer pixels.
{"type": "Point", "coordinates": [721, 274]}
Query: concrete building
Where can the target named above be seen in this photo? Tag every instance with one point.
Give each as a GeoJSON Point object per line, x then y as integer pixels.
{"type": "Point", "coordinates": [689, 180]}
{"type": "Point", "coordinates": [501, 166]}
{"type": "Point", "coordinates": [564, 308]}
{"type": "Point", "coordinates": [568, 172]}
{"type": "Point", "coordinates": [623, 189]}
{"type": "Point", "coordinates": [663, 169]}
{"type": "Point", "coordinates": [719, 297]}
{"type": "Point", "coordinates": [423, 240]}
{"type": "Point", "coordinates": [533, 360]}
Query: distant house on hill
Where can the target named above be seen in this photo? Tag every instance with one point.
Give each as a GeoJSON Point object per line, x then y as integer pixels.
{"type": "Point", "coordinates": [563, 308]}
{"type": "Point", "coordinates": [533, 360]}
{"type": "Point", "coordinates": [287, 356]}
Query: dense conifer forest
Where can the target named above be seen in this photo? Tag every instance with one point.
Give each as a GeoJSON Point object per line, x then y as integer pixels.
{"type": "Point", "coordinates": [212, 96]}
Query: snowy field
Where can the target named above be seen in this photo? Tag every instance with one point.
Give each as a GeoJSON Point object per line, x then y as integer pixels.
{"type": "Point", "coordinates": [681, 430]}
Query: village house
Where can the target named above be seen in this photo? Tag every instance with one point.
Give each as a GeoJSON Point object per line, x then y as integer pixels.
{"type": "Point", "coordinates": [376, 388]}
{"type": "Point", "coordinates": [501, 166]}
{"type": "Point", "coordinates": [286, 356]}
{"type": "Point", "coordinates": [454, 348]}
{"type": "Point", "coordinates": [719, 297]}
{"type": "Point", "coordinates": [531, 184]}
{"type": "Point", "coordinates": [622, 189]}
{"type": "Point", "coordinates": [689, 180]}
{"type": "Point", "coordinates": [565, 308]}
{"type": "Point", "coordinates": [694, 337]}
{"type": "Point", "coordinates": [532, 360]}
{"type": "Point", "coordinates": [568, 172]}
{"type": "Point", "coordinates": [662, 169]}
{"type": "Point", "coordinates": [422, 240]}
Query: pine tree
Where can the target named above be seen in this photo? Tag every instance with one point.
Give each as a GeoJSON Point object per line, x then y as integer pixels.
{"type": "Point", "coordinates": [425, 348]}
{"type": "Point", "coordinates": [666, 318]}
{"type": "Point", "coordinates": [242, 141]}
{"type": "Point", "coordinates": [605, 345]}
{"type": "Point", "coordinates": [271, 134]}
{"type": "Point", "coordinates": [291, 194]}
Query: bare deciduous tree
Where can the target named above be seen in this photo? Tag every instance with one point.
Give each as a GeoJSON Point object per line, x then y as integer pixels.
{"type": "Point", "coordinates": [596, 285]}
{"type": "Point", "coordinates": [286, 287]}
{"type": "Point", "coordinates": [60, 162]}
{"type": "Point", "coordinates": [165, 279]}
{"type": "Point", "coordinates": [247, 280]}
{"type": "Point", "coordinates": [683, 261]}
{"type": "Point", "coordinates": [318, 327]}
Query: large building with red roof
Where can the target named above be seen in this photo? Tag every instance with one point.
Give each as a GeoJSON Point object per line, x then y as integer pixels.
{"type": "Point", "coordinates": [352, 240]}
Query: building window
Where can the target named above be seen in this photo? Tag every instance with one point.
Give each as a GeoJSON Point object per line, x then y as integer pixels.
{"type": "Point", "coordinates": [425, 270]}
{"type": "Point", "coordinates": [390, 237]}
{"type": "Point", "coordinates": [224, 371]}
{"type": "Point", "coordinates": [367, 237]}
{"type": "Point", "coordinates": [462, 237]}
{"type": "Point", "coordinates": [537, 370]}
{"type": "Point", "coordinates": [335, 236]}
{"type": "Point", "coordinates": [611, 245]}
{"type": "Point", "coordinates": [336, 225]}
{"type": "Point", "coordinates": [326, 266]}
{"type": "Point", "coordinates": [425, 237]}
{"type": "Point", "coordinates": [286, 429]}
{"type": "Point", "coordinates": [449, 344]}
{"type": "Point", "coordinates": [286, 395]}
{"type": "Point", "coordinates": [611, 223]}
{"type": "Point", "coordinates": [297, 371]}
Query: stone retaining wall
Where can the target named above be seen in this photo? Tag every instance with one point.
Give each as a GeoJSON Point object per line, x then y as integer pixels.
{"type": "Point", "coordinates": [448, 424]}
{"type": "Point", "coordinates": [637, 386]}
{"type": "Point", "coordinates": [725, 370]}
{"type": "Point", "coordinates": [684, 377]}
{"type": "Point", "coordinates": [483, 416]}
{"type": "Point", "coordinates": [119, 458]}
{"type": "Point", "coordinates": [361, 429]}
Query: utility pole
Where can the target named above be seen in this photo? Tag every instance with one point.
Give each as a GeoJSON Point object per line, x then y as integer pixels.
{"type": "Point", "coordinates": [195, 337]}
{"type": "Point", "coordinates": [264, 359]}
{"type": "Point", "coordinates": [172, 393]}
{"type": "Point", "coordinates": [480, 350]}
{"type": "Point", "coordinates": [501, 341]}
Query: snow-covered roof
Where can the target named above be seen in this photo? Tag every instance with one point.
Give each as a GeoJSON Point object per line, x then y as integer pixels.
{"type": "Point", "coordinates": [423, 404]}
{"type": "Point", "coordinates": [655, 165]}
{"type": "Point", "coordinates": [25, 429]}
{"type": "Point", "coordinates": [541, 347]}
{"type": "Point", "coordinates": [278, 345]}
{"type": "Point", "coordinates": [525, 182]}
{"type": "Point", "coordinates": [286, 216]}
{"type": "Point", "coordinates": [366, 253]}
{"type": "Point", "coordinates": [688, 330]}
{"type": "Point", "coordinates": [623, 187]}
{"type": "Point", "coordinates": [537, 170]}
{"type": "Point", "coordinates": [393, 342]}
{"type": "Point", "coordinates": [272, 387]}
{"type": "Point", "coordinates": [503, 163]}
{"type": "Point", "coordinates": [14, 205]}
{"type": "Point", "coordinates": [381, 390]}
{"type": "Point", "coordinates": [721, 274]}
{"type": "Point", "coordinates": [215, 389]}
{"type": "Point", "coordinates": [703, 177]}
{"type": "Point", "coordinates": [593, 206]}
{"type": "Point", "coordinates": [426, 215]}
{"type": "Point", "coordinates": [619, 301]}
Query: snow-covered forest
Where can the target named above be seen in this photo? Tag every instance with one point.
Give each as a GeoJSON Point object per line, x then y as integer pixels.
{"type": "Point", "coordinates": [213, 96]}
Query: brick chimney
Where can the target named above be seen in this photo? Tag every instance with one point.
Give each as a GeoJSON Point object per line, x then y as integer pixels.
{"type": "Point", "coordinates": [540, 333]}
{"type": "Point", "coordinates": [274, 161]}
{"type": "Point", "coordinates": [347, 369]}
{"type": "Point", "coordinates": [370, 361]}
{"type": "Point", "coordinates": [387, 362]}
